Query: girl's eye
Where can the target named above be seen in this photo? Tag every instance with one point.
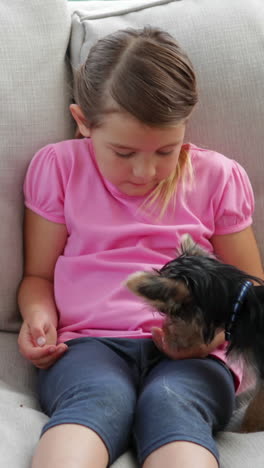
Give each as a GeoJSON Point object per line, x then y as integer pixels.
{"type": "Point", "coordinates": [124, 155]}
{"type": "Point", "coordinates": [165, 153]}
{"type": "Point", "coordinates": [132, 153]}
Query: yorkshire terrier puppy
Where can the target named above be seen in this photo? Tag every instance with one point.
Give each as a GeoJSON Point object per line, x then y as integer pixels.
{"type": "Point", "coordinates": [200, 296]}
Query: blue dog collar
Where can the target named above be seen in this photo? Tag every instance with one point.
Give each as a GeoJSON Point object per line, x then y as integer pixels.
{"type": "Point", "coordinates": [237, 307]}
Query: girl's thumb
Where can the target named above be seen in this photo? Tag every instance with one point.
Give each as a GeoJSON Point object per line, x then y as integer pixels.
{"type": "Point", "coordinates": [38, 335]}
{"type": "Point", "coordinates": [41, 340]}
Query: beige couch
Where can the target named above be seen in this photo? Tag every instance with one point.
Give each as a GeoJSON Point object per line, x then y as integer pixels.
{"type": "Point", "coordinates": [225, 40]}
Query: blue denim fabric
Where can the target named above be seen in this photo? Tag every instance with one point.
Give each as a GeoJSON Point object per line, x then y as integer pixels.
{"type": "Point", "coordinates": [128, 392]}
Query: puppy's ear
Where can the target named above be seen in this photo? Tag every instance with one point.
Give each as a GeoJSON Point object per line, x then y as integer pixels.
{"type": "Point", "coordinates": [155, 288]}
{"type": "Point", "coordinates": [189, 247]}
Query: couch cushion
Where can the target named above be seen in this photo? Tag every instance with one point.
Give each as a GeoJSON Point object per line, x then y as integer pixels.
{"type": "Point", "coordinates": [34, 95]}
{"type": "Point", "coordinates": [225, 41]}
{"type": "Point", "coordinates": [21, 419]}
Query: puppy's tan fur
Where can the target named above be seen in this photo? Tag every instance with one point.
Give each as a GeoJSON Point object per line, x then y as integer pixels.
{"type": "Point", "coordinates": [182, 334]}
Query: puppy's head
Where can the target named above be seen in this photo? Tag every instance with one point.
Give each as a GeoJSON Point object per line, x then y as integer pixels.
{"type": "Point", "coordinates": [168, 291]}
{"type": "Point", "coordinates": [195, 292]}
{"type": "Point", "coordinates": [172, 298]}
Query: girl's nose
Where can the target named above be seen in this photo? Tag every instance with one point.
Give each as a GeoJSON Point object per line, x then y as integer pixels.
{"type": "Point", "coordinates": [144, 170]}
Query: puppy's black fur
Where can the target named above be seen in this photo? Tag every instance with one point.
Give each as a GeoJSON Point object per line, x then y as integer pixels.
{"type": "Point", "coordinates": [200, 296]}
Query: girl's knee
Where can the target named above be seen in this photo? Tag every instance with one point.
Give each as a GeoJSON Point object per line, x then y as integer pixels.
{"type": "Point", "coordinates": [107, 410]}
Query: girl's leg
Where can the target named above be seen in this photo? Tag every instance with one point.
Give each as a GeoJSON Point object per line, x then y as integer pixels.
{"type": "Point", "coordinates": [70, 446]}
{"type": "Point", "coordinates": [179, 455]}
{"type": "Point", "coordinates": [182, 404]}
{"type": "Point", "coordinates": [90, 396]}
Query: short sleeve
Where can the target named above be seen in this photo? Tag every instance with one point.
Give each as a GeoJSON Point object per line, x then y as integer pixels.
{"type": "Point", "coordinates": [44, 186]}
{"type": "Point", "coordinates": [236, 204]}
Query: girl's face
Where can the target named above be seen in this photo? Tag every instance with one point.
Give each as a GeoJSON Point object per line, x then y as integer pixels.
{"type": "Point", "coordinates": [133, 156]}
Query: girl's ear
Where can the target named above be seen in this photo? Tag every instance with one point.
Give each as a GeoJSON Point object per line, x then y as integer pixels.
{"type": "Point", "coordinates": [80, 120]}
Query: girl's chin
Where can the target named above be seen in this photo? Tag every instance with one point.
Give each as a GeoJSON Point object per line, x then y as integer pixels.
{"type": "Point", "coordinates": [137, 189]}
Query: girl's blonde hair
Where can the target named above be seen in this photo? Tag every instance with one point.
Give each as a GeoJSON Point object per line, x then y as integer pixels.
{"type": "Point", "coordinates": [145, 73]}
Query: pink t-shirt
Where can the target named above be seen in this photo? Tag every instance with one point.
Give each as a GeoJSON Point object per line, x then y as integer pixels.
{"type": "Point", "coordinates": [109, 236]}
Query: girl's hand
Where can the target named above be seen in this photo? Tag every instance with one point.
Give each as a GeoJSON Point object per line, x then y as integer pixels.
{"type": "Point", "coordinates": [37, 341]}
{"type": "Point", "coordinates": [159, 338]}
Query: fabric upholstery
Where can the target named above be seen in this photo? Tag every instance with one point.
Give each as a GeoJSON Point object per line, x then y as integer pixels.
{"type": "Point", "coordinates": [225, 40]}
{"type": "Point", "coordinates": [35, 93]}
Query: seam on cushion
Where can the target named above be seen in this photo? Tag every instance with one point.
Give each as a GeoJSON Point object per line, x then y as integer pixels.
{"type": "Point", "coordinates": [124, 11]}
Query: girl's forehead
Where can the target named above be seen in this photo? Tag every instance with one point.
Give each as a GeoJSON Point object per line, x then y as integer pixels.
{"type": "Point", "coordinates": [122, 128]}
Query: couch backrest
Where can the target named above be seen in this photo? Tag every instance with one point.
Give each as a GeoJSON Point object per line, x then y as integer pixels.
{"type": "Point", "coordinates": [225, 41]}
{"type": "Point", "coordinates": [34, 95]}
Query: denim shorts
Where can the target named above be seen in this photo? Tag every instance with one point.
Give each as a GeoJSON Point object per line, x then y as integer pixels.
{"type": "Point", "coordinates": [130, 394]}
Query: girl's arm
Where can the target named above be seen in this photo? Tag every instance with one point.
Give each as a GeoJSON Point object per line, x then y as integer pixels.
{"type": "Point", "coordinates": [44, 241]}
{"type": "Point", "coordinates": [238, 249]}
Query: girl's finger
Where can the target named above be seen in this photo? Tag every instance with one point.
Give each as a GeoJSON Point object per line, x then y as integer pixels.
{"type": "Point", "coordinates": [36, 353]}
{"type": "Point", "coordinates": [47, 361]}
{"type": "Point", "coordinates": [158, 338]}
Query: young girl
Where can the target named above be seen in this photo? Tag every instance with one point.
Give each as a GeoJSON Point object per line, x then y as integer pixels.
{"type": "Point", "coordinates": [102, 207]}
